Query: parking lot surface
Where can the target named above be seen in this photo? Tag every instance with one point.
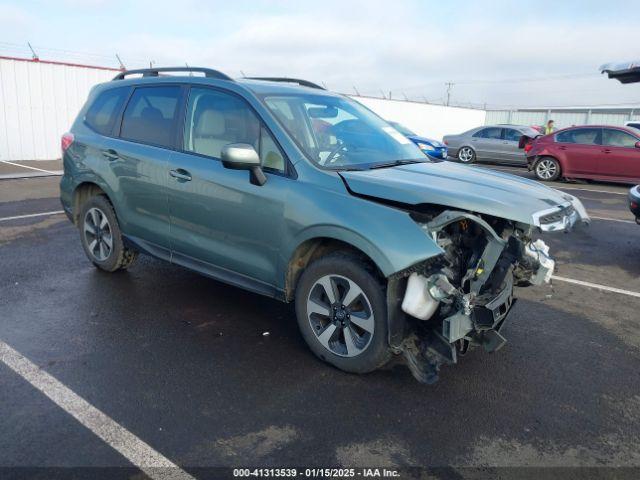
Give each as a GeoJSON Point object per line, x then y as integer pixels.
{"type": "Point", "coordinates": [185, 364]}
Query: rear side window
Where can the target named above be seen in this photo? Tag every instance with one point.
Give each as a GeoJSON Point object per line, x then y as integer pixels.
{"type": "Point", "coordinates": [102, 114]}
{"type": "Point", "coordinates": [512, 135]}
{"type": "Point", "coordinates": [583, 136]}
{"type": "Point", "coordinates": [150, 116]}
{"type": "Point", "coordinates": [493, 133]}
{"type": "Point", "coordinates": [618, 138]}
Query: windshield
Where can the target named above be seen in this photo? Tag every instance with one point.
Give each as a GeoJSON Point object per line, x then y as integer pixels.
{"type": "Point", "coordinates": [339, 133]}
{"type": "Point", "coordinates": [402, 129]}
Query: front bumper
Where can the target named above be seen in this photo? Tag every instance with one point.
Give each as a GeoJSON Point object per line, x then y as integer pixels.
{"type": "Point", "coordinates": [634, 202]}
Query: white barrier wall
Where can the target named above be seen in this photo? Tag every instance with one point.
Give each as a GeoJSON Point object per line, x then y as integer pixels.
{"type": "Point", "coordinates": [40, 100]}
{"type": "Point", "coordinates": [431, 121]}
{"type": "Point", "coordinates": [38, 103]}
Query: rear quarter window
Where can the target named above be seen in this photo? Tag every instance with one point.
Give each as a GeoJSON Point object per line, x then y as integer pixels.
{"type": "Point", "coordinates": [103, 112]}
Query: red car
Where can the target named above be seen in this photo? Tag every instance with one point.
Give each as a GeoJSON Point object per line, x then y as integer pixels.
{"type": "Point", "coordinates": [594, 152]}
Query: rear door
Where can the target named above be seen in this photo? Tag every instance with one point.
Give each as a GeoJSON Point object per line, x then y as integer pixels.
{"type": "Point", "coordinates": [487, 143]}
{"type": "Point", "coordinates": [621, 157]}
{"type": "Point", "coordinates": [512, 152]}
{"type": "Point", "coordinates": [139, 164]}
{"type": "Point", "coordinates": [582, 149]}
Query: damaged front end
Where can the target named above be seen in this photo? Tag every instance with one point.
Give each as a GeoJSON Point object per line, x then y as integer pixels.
{"type": "Point", "coordinates": [462, 298]}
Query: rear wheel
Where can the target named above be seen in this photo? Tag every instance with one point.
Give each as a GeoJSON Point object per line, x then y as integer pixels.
{"type": "Point", "coordinates": [101, 237]}
{"type": "Point", "coordinates": [341, 312]}
{"type": "Point", "coordinates": [547, 169]}
{"type": "Point", "coordinates": [466, 155]}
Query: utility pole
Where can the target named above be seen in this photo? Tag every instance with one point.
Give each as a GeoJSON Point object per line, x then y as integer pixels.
{"type": "Point", "coordinates": [449, 87]}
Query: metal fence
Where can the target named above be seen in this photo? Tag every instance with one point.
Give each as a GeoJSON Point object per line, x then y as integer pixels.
{"type": "Point", "coordinates": [564, 117]}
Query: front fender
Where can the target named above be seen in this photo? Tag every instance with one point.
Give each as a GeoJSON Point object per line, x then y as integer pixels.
{"type": "Point", "coordinates": [387, 235]}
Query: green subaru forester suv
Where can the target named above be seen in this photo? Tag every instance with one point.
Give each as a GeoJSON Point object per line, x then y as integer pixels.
{"type": "Point", "coordinates": [282, 188]}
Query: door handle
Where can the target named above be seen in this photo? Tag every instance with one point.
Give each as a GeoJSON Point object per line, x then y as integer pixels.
{"type": "Point", "coordinates": [180, 174]}
{"type": "Point", "coordinates": [562, 148]}
{"type": "Point", "coordinates": [606, 150]}
{"type": "Point", "coordinates": [111, 154]}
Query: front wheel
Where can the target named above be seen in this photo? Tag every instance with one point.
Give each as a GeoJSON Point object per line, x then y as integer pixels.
{"type": "Point", "coordinates": [341, 312]}
{"type": "Point", "coordinates": [466, 155]}
{"type": "Point", "coordinates": [547, 169]}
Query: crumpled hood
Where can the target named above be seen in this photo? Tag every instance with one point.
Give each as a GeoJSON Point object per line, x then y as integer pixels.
{"type": "Point", "coordinates": [460, 187]}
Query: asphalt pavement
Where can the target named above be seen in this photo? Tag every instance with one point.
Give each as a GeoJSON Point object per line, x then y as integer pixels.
{"type": "Point", "coordinates": [207, 375]}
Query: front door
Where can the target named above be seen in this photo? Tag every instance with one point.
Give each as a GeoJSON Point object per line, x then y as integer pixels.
{"type": "Point", "coordinates": [620, 158]}
{"type": "Point", "coordinates": [221, 224]}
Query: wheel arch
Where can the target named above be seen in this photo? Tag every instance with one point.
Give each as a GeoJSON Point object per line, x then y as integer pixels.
{"type": "Point", "coordinates": [82, 192]}
{"type": "Point", "coordinates": [315, 247]}
{"type": "Point", "coordinates": [557, 158]}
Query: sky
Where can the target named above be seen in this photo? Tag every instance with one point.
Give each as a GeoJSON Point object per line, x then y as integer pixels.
{"type": "Point", "coordinates": [504, 54]}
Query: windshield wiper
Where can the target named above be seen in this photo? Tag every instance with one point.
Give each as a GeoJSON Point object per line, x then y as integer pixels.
{"type": "Point", "coordinates": [395, 163]}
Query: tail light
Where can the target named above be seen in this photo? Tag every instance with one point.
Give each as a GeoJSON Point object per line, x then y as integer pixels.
{"type": "Point", "coordinates": [446, 142]}
{"type": "Point", "coordinates": [528, 147]}
{"type": "Point", "coordinates": [66, 141]}
{"type": "Point", "coordinates": [634, 205]}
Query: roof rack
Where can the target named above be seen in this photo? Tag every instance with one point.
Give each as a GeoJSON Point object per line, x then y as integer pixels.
{"type": "Point", "coordinates": [302, 83]}
{"type": "Point", "coordinates": [154, 72]}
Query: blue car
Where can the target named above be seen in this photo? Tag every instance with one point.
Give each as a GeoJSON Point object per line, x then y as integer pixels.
{"type": "Point", "coordinates": [429, 147]}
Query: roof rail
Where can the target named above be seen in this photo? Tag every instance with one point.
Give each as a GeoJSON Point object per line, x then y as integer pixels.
{"type": "Point", "coordinates": [154, 72]}
{"type": "Point", "coordinates": [302, 83]}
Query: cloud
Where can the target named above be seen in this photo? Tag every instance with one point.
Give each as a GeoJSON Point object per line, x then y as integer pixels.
{"type": "Point", "coordinates": [408, 47]}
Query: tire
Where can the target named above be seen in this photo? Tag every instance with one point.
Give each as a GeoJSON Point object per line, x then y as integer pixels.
{"type": "Point", "coordinates": [547, 169]}
{"type": "Point", "coordinates": [327, 329]}
{"type": "Point", "coordinates": [466, 155]}
{"type": "Point", "coordinates": [108, 253]}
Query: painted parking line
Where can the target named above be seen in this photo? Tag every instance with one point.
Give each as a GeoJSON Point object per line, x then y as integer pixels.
{"type": "Point", "coordinates": [591, 190]}
{"type": "Point", "coordinates": [31, 215]}
{"type": "Point", "coordinates": [612, 219]}
{"type": "Point", "coordinates": [139, 453]}
{"type": "Point", "coordinates": [27, 166]}
{"type": "Point", "coordinates": [596, 286]}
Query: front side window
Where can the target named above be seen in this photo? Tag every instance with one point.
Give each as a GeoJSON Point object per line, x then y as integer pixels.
{"type": "Point", "coordinates": [339, 133]}
{"type": "Point", "coordinates": [101, 115]}
{"type": "Point", "coordinates": [150, 116]}
{"type": "Point", "coordinates": [215, 119]}
{"type": "Point", "coordinates": [618, 138]}
{"type": "Point", "coordinates": [582, 136]}
{"type": "Point", "coordinates": [490, 133]}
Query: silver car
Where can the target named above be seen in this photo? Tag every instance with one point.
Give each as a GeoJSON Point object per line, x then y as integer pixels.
{"type": "Point", "coordinates": [494, 143]}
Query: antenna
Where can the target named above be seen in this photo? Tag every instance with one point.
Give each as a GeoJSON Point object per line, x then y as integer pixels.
{"type": "Point", "coordinates": [242, 73]}
{"type": "Point", "coordinates": [356, 90]}
{"type": "Point", "coordinates": [449, 87]}
{"type": "Point", "coordinates": [122, 67]}
{"type": "Point", "coordinates": [34, 55]}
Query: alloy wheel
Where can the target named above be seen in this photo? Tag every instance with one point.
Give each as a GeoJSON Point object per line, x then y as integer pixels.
{"type": "Point", "coordinates": [97, 234]}
{"type": "Point", "coordinates": [465, 154]}
{"type": "Point", "coordinates": [546, 169]}
{"type": "Point", "coordinates": [340, 315]}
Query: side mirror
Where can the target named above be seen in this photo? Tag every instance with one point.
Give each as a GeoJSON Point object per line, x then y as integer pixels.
{"type": "Point", "coordinates": [242, 156]}
{"type": "Point", "coordinates": [637, 144]}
